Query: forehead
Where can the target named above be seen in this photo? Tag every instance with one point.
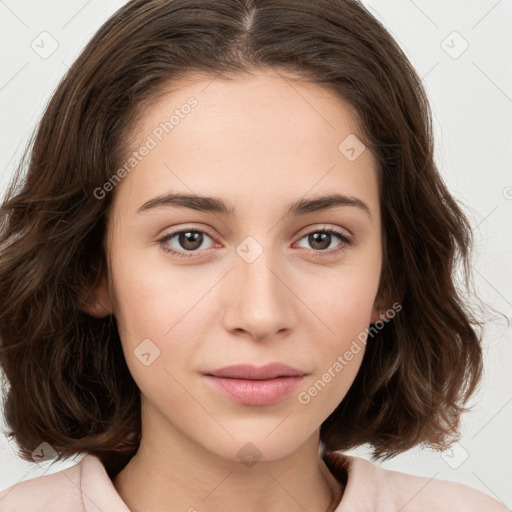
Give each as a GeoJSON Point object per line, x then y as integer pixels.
{"type": "Point", "coordinates": [246, 135]}
{"type": "Point", "coordinates": [264, 101]}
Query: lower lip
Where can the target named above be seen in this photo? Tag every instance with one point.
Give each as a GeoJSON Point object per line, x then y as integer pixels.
{"type": "Point", "coordinates": [255, 392]}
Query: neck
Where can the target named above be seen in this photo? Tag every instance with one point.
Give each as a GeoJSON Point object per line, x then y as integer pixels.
{"type": "Point", "coordinates": [178, 474]}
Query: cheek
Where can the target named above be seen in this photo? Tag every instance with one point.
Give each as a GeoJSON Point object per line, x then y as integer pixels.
{"type": "Point", "coordinates": [155, 299]}
{"type": "Point", "coordinates": [161, 311]}
{"type": "Point", "coordinates": [343, 301]}
{"type": "Point", "coordinates": [344, 305]}
{"type": "Point", "coordinates": [339, 347]}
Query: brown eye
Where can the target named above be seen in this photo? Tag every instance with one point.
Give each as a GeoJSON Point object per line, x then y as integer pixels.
{"type": "Point", "coordinates": [321, 240]}
{"type": "Point", "coordinates": [183, 241]}
{"type": "Point", "coordinates": [190, 240]}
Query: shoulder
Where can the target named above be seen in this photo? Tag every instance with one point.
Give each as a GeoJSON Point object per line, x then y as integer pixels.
{"type": "Point", "coordinates": [80, 488]}
{"type": "Point", "coordinates": [57, 492]}
{"type": "Point", "coordinates": [371, 487]}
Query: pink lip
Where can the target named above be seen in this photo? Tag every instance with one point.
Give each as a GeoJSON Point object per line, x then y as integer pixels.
{"type": "Point", "coordinates": [253, 385]}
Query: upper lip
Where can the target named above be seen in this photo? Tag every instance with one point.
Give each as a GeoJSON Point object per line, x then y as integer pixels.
{"type": "Point", "coordinates": [248, 371]}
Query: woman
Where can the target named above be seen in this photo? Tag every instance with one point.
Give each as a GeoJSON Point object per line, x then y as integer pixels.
{"type": "Point", "coordinates": [232, 258]}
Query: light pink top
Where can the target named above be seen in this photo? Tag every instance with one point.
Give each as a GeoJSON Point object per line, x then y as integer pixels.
{"type": "Point", "coordinates": [86, 487]}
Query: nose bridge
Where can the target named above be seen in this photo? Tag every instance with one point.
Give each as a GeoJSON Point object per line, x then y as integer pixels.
{"type": "Point", "coordinates": [259, 302]}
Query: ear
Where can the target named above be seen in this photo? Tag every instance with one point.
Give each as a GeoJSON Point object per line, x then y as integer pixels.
{"type": "Point", "coordinates": [375, 315]}
{"type": "Point", "coordinates": [98, 303]}
{"type": "Point", "coordinates": [378, 309]}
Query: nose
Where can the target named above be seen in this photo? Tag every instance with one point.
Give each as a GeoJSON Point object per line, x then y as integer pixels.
{"type": "Point", "coordinates": [259, 301]}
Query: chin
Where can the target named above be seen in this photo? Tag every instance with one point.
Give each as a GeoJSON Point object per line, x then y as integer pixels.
{"type": "Point", "coordinates": [261, 446]}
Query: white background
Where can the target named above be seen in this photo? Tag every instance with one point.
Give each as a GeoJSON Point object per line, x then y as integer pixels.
{"type": "Point", "coordinates": [471, 98]}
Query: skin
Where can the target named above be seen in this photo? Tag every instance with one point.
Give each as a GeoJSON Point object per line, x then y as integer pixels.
{"type": "Point", "coordinates": [259, 142]}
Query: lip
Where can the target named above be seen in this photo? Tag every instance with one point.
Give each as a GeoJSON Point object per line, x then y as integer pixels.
{"type": "Point", "coordinates": [249, 371]}
{"type": "Point", "coordinates": [252, 385]}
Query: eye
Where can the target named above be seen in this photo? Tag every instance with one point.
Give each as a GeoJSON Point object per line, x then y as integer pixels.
{"type": "Point", "coordinates": [185, 240]}
{"type": "Point", "coordinates": [320, 240]}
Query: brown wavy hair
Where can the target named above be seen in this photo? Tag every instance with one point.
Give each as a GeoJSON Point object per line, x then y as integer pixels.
{"type": "Point", "coordinates": [67, 381]}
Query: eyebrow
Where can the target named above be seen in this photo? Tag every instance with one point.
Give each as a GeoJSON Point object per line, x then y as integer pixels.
{"type": "Point", "coordinates": [218, 206]}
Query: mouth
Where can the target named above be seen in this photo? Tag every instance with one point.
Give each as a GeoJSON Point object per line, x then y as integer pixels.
{"type": "Point", "coordinates": [251, 385]}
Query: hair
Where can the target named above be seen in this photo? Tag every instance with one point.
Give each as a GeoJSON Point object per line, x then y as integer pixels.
{"type": "Point", "coordinates": [69, 384]}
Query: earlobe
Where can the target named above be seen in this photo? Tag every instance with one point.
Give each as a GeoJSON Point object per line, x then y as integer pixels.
{"type": "Point", "coordinates": [98, 303]}
{"type": "Point", "coordinates": [377, 310]}
{"type": "Point", "coordinates": [375, 316]}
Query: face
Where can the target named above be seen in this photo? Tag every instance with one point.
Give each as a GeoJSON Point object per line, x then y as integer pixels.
{"type": "Point", "coordinates": [199, 285]}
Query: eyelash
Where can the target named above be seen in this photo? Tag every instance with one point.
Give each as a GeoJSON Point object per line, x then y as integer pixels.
{"type": "Point", "coordinates": [345, 242]}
